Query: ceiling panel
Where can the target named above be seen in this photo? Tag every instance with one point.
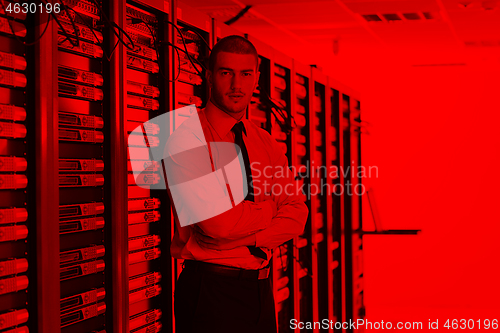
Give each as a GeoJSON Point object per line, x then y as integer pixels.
{"type": "Point", "coordinates": [348, 34]}
{"type": "Point", "coordinates": [430, 33]}
{"type": "Point", "coordinates": [368, 7]}
{"type": "Point", "coordinates": [305, 13]}
{"type": "Point", "coordinates": [476, 24]}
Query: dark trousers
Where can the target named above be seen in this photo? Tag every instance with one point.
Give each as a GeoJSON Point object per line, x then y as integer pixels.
{"type": "Point", "coordinates": [206, 302]}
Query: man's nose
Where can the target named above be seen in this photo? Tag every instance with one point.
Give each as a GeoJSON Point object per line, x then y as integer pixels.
{"type": "Point", "coordinates": [236, 82]}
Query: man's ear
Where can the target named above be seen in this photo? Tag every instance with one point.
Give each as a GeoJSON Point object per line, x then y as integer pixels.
{"type": "Point", "coordinates": [209, 77]}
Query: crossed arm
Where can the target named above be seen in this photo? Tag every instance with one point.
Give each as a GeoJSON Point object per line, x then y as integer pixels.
{"type": "Point", "coordinates": [289, 215]}
{"type": "Point", "coordinates": [265, 224]}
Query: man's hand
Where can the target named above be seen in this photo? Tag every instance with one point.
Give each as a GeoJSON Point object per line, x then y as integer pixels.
{"type": "Point", "coordinates": [222, 244]}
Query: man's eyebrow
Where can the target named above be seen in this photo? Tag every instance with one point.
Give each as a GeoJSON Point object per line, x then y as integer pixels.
{"type": "Point", "coordinates": [232, 70]}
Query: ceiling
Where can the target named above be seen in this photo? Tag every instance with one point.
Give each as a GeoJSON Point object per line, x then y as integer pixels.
{"type": "Point", "coordinates": [338, 33]}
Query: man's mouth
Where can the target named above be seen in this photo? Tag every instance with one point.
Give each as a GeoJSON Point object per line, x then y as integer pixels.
{"type": "Point", "coordinates": [235, 97]}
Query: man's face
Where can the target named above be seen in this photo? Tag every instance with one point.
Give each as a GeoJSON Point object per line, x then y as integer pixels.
{"type": "Point", "coordinates": [233, 80]}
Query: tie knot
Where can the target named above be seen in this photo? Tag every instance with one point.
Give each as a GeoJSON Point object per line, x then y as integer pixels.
{"type": "Point", "coordinates": [238, 128]}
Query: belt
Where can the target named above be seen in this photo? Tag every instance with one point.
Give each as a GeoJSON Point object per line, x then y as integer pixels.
{"type": "Point", "coordinates": [239, 273]}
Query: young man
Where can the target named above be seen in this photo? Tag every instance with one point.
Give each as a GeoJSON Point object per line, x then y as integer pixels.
{"type": "Point", "coordinates": [225, 285]}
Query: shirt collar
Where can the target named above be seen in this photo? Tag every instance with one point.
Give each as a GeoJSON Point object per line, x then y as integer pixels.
{"type": "Point", "coordinates": [220, 120]}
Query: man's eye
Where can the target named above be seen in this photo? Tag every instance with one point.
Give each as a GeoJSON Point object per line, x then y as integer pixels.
{"type": "Point", "coordinates": [247, 74]}
{"type": "Point", "coordinates": [224, 73]}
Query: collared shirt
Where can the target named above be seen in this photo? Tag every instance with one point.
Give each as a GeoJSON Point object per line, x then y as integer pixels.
{"type": "Point", "coordinates": [273, 184]}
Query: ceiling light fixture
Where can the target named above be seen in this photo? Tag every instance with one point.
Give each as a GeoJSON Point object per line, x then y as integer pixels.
{"type": "Point", "coordinates": [465, 4]}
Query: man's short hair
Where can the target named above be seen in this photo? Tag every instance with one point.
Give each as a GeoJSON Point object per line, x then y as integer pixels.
{"type": "Point", "coordinates": [232, 44]}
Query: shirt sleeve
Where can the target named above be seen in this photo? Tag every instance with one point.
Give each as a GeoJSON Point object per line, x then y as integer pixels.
{"type": "Point", "coordinates": [292, 212]}
{"type": "Point", "coordinates": [200, 196]}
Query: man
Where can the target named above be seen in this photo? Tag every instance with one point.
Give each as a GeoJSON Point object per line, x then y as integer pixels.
{"type": "Point", "coordinates": [225, 285]}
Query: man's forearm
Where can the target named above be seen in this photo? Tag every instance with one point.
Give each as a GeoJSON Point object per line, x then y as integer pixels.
{"type": "Point", "coordinates": [287, 224]}
{"type": "Point", "coordinates": [224, 244]}
{"type": "Point", "coordinates": [245, 219]}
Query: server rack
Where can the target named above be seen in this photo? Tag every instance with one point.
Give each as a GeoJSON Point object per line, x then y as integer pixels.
{"type": "Point", "coordinates": [83, 196]}
{"type": "Point", "coordinates": [17, 229]}
{"type": "Point", "coordinates": [145, 75]}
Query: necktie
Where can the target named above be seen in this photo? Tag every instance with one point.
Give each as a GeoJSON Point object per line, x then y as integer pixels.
{"type": "Point", "coordinates": [238, 139]}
